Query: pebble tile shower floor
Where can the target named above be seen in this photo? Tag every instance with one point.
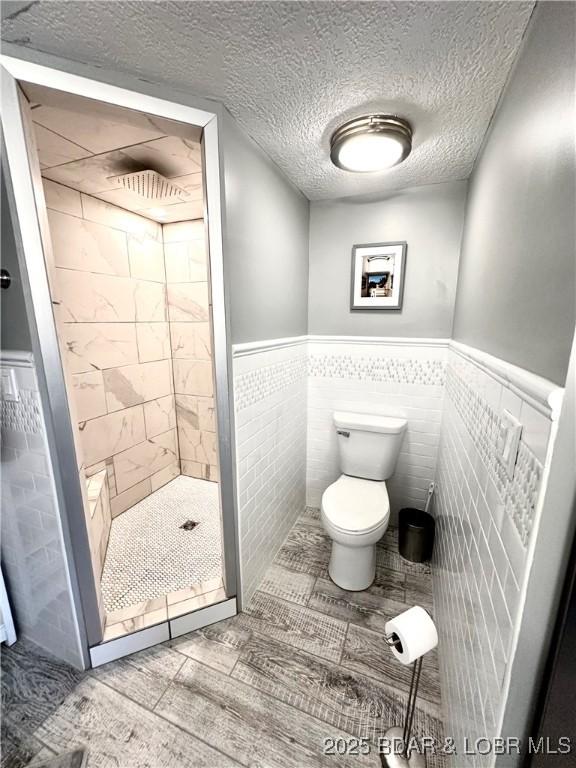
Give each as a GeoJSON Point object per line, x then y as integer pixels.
{"type": "Point", "coordinates": [306, 661]}
{"type": "Point", "coordinates": [149, 553]}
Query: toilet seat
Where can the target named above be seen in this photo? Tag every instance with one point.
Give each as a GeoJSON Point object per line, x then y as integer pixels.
{"type": "Point", "coordinates": [354, 505]}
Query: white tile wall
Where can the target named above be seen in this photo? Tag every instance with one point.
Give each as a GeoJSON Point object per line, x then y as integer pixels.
{"type": "Point", "coordinates": [393, 378]}
{"type": "Point", "coordinates": [485, 521]}
{"type": "Point", "coordinates": [32, 547]}
{"type": "Point", "coordinates": [286, 444]}
{"type": "Point", "coordinates": [270, 408]}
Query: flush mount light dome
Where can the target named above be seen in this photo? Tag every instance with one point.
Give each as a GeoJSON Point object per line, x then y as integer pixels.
{"type": "Point", "coordinates": [371, 143]}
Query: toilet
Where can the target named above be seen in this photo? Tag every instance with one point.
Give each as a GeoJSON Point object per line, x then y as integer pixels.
{"type": "Point", "coordinates": [356, 509]}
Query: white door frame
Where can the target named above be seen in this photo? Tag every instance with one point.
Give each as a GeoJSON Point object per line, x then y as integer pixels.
{"type": "Point", "coordinates": [27, 205]}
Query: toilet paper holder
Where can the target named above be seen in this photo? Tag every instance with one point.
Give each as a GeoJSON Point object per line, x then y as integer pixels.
{"type": "Point", "coordinates": [392, 640]}
{"type": "Point", "coordinates": [404, 759]}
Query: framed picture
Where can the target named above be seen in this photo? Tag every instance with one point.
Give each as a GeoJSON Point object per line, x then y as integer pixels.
{"type": "Point", "coordinates": [378, 275]}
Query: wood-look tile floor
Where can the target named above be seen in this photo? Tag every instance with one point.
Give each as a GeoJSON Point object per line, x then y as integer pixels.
{"type": "Point", "coordinates": [306, 661]}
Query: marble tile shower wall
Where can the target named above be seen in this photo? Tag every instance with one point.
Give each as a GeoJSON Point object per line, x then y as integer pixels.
{"type": "Point", "coordinates": [484, 526]}
{"type": "Point", "coordinates": [402, 378]}
{"type": "Point", "coordinates": [270, 414]}
{"type": "Point", "coordinates": [109, 286]}
{"type": "Point", "coordinates": [189, 314]}
{"type": "Point", "coordinates": [32, 547]}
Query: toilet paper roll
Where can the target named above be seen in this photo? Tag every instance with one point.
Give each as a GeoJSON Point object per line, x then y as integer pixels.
{"type": "Point", "coordinates": [416, 632]}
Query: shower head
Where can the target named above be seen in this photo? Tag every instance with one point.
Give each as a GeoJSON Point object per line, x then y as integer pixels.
{"type": "Point", "coordinates": [151, 186]}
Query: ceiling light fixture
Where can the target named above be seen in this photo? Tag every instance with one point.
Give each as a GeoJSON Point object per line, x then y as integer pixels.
{"type": "Point", "coordinates": [371, 143]}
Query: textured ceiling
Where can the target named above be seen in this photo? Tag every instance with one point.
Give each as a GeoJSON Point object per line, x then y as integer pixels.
{"type": "Point", "coordinates": [289, 72]}
{"type": "Point", "coordinates": [85, 145]}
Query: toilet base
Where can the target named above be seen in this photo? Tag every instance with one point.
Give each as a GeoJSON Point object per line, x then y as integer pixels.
{"type": "Point", "coordinates": [352, 568]}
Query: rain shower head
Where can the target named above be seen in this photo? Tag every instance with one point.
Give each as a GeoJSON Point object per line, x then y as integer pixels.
{"type": "Point", "coordinates": [151, 186]}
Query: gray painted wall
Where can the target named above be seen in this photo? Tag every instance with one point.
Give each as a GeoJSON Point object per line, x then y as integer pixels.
{"type": "Point", "coordinates": [516, 289]}
{"type": "Point", "coordinates": [265, 243]}
{"type": "Point", "coordinates": [13, 321]}
{"type": "Point", "coordinates": [430, 219]}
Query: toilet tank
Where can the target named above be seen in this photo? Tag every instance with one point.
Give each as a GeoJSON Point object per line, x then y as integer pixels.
{"type": "Point", "coordinates": [368, 444]}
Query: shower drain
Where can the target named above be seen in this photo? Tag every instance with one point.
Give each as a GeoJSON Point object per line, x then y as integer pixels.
{"type": "Point", "coordinates": [189, 525]}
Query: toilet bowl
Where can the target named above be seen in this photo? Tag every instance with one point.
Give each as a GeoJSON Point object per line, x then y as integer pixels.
{"type": "Point", "coordinates": [355, 509]}
{"type": "Point", "coordinates": [355, 514]}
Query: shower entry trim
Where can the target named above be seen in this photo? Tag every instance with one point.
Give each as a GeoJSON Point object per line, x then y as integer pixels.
{"type": "Point", "coordinates": [27, 208]}
{"type": "Point", "coordinates": [160, 633]}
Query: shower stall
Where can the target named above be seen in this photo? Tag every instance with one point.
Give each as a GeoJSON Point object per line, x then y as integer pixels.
{"type": "Point", "coordinates": [121, 250]}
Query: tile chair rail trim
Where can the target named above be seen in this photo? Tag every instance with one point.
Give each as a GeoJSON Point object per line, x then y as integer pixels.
{"type": "Point", "coordinates": [539, 392]}
{"type": "Point", "coordinates": [254, 347]}
{"type": "Point", "coordinates": [385, 341]}
{"type": "Point", "coordinates": [544, 395]}
{"type": "Point", "coordinates": [16, 359]}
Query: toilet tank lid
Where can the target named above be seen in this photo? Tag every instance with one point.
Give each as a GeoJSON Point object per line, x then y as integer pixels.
{"type": "Point", "coordinates": [369, 422]}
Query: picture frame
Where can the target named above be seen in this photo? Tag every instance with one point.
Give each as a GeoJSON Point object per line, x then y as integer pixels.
{"type": "Point", "coordinates": [378, 272]}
